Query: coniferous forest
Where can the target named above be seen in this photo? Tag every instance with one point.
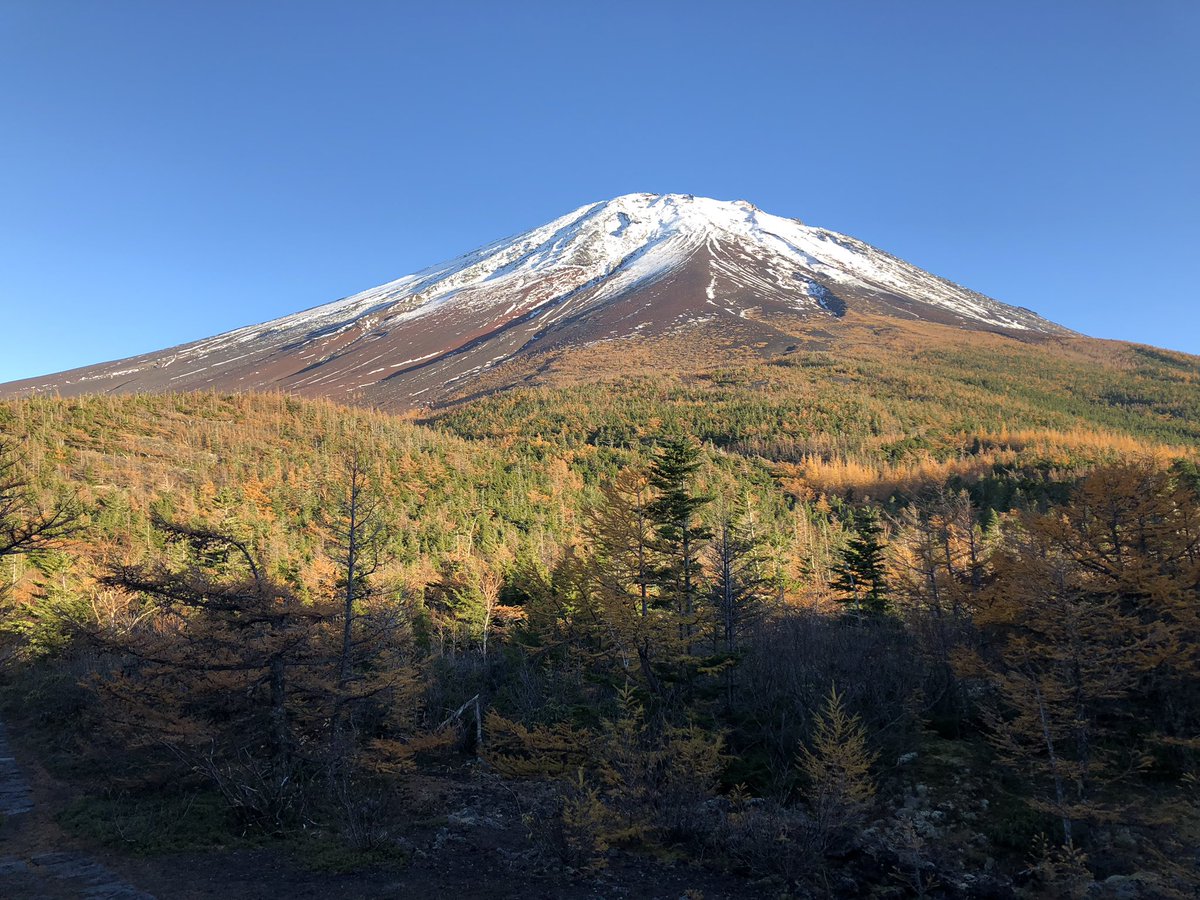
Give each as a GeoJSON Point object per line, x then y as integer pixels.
{"type": "Point", "coordinates": [905, 621]}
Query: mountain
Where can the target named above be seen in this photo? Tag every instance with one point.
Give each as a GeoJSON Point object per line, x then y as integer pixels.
{"type": "Point", "coordinates": [638, 267]}
{"type": "Point", "coordinates": [177, 610]}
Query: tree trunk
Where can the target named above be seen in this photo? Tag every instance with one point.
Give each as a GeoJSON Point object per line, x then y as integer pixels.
{"type": "Point", "coordinates": [280, 732]}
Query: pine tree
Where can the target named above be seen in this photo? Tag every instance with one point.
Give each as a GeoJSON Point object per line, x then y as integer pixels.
{"type": "Point", "coordinates": [837, 769]}
{"type": "Point", "coordinates": [860, 576]}
{"type": "Point", "coordinates": [627, 607]}
{"type": "Point", "coordinates": [740, 587]}
{"type": "Point", "coordinates": [681, 536]}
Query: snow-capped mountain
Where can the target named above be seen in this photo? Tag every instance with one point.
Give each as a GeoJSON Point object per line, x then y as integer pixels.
{"type": "Point", "coordinates": [641, 264]}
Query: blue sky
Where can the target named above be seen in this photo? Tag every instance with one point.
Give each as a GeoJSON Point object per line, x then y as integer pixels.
{"type": "Point", "coordinates": [172, 170]}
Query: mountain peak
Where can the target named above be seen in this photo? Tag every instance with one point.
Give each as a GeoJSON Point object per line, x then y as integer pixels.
{"type": "Point", "coordinates": [636, 265]}
{"type": "Point", "coordinates": [681, 212]}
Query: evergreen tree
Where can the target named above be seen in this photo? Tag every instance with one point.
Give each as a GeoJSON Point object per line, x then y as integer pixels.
{"type": "Point", "coordinates": [859, 577]}
{"type": "Point", "coordinates": [837, 769]}
{"type": "Point", "coordinates": [681, 537]}
{"type": "Point", "coordinates": [740, 588]}
{"type": "Point", "coordinates": [631, 623]}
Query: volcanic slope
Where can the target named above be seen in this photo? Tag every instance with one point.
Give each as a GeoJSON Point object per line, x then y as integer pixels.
{"type": "Point", "coordinates": [641, 266]}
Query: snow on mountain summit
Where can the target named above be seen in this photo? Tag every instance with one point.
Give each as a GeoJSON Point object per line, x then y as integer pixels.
{"type": "Point", "coordinates": [636, 264]}
{"type": "Point", "coordinates": [637, 238]}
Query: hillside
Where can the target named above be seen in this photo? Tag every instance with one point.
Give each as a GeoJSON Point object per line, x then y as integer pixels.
{"type": "Point", "coordinates": [882, 409]}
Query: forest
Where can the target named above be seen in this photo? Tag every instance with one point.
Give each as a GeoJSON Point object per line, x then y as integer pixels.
{"type": "Point", "coordinates": [821, 624]}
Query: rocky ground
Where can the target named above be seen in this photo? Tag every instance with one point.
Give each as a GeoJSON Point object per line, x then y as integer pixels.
{"type": "Point", "coordinates": [38, 862]}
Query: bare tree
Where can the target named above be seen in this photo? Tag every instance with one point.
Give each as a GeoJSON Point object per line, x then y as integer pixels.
{"type": "Point", "coordinates": [490, 584]}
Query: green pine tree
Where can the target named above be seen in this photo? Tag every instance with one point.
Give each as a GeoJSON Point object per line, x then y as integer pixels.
{"type": "Point", "coordinates": [859, 577]}
{"type": "Point", "coordinates": [681, 536]}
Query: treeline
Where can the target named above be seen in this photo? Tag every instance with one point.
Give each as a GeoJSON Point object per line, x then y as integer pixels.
{"type": "Point", "coordinates": [968, 687]}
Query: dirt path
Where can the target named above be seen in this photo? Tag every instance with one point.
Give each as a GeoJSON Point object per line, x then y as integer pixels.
{"type": "Point", "coordinates": [33, 864]}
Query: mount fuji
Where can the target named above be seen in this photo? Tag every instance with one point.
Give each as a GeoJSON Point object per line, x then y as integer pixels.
{"type": "Point", "coordinates": [638, 267]}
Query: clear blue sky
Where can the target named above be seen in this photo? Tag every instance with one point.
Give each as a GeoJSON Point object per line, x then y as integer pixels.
{"type": "Point", "coordinates": [170, 170]}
